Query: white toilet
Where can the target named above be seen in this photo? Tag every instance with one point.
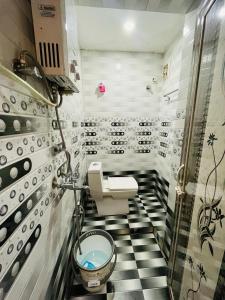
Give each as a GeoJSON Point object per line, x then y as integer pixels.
{"type": "Point", "coordinates": [111, 194]}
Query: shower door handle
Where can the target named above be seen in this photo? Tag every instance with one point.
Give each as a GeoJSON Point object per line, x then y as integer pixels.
{"type": "Point", "coordinates": [179, 188]}
{"type": "Point", "coordinates": [179, 180]}
{"type": "Point", "coordinates": [180, 194]}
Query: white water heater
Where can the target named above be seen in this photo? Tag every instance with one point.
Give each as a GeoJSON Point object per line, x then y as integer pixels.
{"type": "Point", "coordinates": [51, 40]}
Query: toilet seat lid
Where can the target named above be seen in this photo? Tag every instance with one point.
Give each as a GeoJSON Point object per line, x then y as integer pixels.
{"type": "Point", "coordinates": [122, 183]}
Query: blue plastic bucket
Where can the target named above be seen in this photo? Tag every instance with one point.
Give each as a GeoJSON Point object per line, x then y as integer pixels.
{"type": "Point", "coordinates": [96, 262]}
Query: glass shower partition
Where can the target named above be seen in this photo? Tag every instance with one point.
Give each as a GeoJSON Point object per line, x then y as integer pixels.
{"type": "Point", "coordinates": [196, 268]}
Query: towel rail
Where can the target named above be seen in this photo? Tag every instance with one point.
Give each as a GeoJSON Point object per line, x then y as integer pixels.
{"type": "Point", "coordinates": [176, 90]}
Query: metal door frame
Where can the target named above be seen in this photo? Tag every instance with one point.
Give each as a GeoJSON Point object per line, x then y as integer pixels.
{"type": "Point", "coordinates": [182, 176]}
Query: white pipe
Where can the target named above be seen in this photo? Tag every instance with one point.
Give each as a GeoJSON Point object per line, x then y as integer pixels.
{"type": "Point", "coordinates": [37, 96]}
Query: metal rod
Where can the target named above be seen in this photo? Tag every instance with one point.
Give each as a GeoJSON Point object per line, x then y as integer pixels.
{"type": "Point", "coordinates": [171, 93]}
{"type": "Point", "coordinates": [77, 221]}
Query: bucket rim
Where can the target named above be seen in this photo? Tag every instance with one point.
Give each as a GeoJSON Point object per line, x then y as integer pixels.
{"type": "Point", "coordinates": [86, 235]}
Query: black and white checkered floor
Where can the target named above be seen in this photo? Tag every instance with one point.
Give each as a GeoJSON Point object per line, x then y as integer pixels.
{"type": "Point", "coordinates": [141, 270]}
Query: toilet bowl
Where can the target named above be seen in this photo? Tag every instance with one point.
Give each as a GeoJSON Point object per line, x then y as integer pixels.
{"type": "Point", "coordinates": [111, 195]}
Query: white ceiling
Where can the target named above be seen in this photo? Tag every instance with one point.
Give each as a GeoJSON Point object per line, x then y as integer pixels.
{"type": "Point", "coordinates": [102, 29]}
{"type": "Point", "coordinates": [169, 6]}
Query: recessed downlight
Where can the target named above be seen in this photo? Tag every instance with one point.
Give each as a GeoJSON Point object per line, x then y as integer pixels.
{"type": "Point", "coordinates": [129, 26]}
{"type": "Point", "coordinates": [222, 12]}
{"type": "Point", "coordinates": [186, 31]}
{"type": "Point", "coordinates": [118, 66]}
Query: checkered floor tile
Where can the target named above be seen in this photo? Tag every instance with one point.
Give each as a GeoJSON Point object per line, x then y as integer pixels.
{"type": "Point", "coordinates": [141, 270]}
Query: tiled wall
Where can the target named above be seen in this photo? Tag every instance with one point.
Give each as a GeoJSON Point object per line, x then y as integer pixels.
{"type": "Point", "coordinates": [170, 107]}
{"type": "Point", "coordinates": [120, 125]}
{"type": "Point", "coordinates": [35, 219]}
{"type": "Point", "coordinates": [129, 127]}
{"type": "Point", "coordinates": [171, 116]}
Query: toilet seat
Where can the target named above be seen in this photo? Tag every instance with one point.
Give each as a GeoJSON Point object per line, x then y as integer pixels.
{"type": "Point", "coordinates": [122, 184]}
{"type": "Point", "coordinates": [119, 187]}
{"type": "Point", "coordinates": [106, 192]}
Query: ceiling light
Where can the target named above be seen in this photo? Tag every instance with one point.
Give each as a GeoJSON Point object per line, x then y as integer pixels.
{"type": "Point", "coordinates": [222, 12]}
{"type": "Point", "coordinates": [118, 66]}
{"type": "Point", "coordinates": [186, 31]}
{"type": "Point", "coordinates": [129, 26]}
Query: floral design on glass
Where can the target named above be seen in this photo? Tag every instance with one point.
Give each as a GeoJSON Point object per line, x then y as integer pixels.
{"type": "Point", "coordinates": [210, 214]}
{"type": "Point", "coordinates": [198, 269]}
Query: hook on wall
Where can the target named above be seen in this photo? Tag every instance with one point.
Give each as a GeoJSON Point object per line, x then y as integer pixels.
{"type": "Point", "coordinates": [167, 96]}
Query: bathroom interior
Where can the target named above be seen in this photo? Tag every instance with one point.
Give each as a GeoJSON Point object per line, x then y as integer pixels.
{"type": "Point", "coordinates": [112, 169]}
